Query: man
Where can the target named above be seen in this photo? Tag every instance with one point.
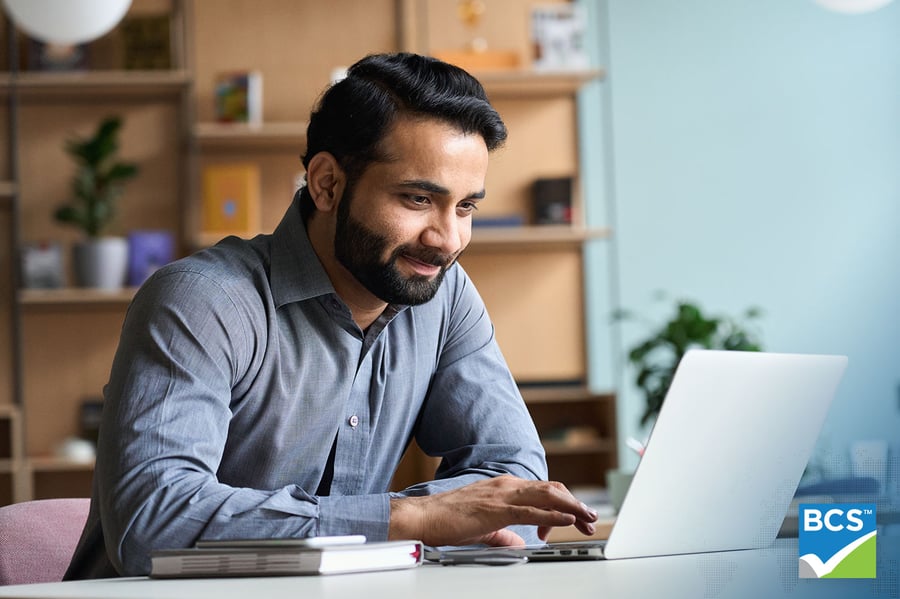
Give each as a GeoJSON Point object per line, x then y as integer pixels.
{"type": "Point", "coordinates": [268, 388]}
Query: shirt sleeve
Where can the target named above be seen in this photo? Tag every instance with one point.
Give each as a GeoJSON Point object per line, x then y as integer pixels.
{"type": "Point", "coordinates": [185, 343]}
{"type": "Point", "coordinates": [474, 417]}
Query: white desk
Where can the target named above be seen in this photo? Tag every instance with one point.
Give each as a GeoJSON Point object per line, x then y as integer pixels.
{"type": "Point", "coordinates": [752, 574]}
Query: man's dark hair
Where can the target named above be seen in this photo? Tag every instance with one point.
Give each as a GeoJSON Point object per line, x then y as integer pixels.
{"type": "Point", "coordinates": [354, 114]}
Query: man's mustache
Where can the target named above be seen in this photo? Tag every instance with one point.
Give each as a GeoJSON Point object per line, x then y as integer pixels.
{"type": "Point", "coordinates": [427, 256]}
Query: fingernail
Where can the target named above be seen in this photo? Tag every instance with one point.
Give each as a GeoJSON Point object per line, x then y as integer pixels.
{"type": "Point", "coordinates": [591, 529]}
{"type": "Point", "coordinates": [590, 511]}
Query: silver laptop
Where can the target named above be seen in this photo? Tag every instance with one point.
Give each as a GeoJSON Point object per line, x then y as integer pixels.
{"type": "Point", "coordinates": [722, 463]}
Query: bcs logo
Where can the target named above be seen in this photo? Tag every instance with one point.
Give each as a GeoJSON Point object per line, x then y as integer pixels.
{"type": "Point", "coordinates": [837, 540]}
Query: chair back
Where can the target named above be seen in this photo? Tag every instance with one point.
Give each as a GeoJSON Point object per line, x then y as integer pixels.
{"type": "Point", "coordinates": [38, 538]}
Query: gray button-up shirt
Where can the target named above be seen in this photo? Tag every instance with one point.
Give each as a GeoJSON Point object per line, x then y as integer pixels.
{"type": "Point", "coordinates": [239, 370]}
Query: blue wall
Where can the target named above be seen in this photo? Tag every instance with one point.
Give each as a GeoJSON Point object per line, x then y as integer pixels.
{"type": "Point", "coordinates": [748, 153]}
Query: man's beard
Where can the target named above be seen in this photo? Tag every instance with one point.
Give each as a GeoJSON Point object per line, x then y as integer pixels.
{"type": "Point", "coordinates": [359, 250]}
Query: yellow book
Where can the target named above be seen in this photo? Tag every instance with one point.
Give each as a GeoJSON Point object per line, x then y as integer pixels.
{"type": "Point", "coordinates": [231, 199]}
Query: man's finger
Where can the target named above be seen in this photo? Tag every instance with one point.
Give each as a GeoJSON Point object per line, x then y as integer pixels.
{"type": "Point", "coordinates": [503, 538]}
{"type": "Point", "coordinates": [523, 514]}
{"type": "Point", "coordinates": [555, 496]}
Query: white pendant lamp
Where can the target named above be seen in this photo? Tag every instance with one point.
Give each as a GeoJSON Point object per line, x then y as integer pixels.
{"type": "Point", "coordinates": [66, 21]}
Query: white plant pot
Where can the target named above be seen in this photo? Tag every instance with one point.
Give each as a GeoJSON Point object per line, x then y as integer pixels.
{"type": "Point", "coordinates": [101, 263]}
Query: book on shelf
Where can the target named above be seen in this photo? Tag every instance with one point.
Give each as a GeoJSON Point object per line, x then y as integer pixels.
{"type": "Point", "coordinates": [552, 201]}
{"type": "Point", "coordinates": [503, 220]}
{"type": "Point", "coordinates": [238, 97]}
{"type": "Point", "coordinates": [231, 199]}
{"type": "Point", "coordinates": [148, 250]}
{"type": "Point", "coordinates": [146, 41]}
{"type": "Point", "coordinates": [557, 35]}
{"type": "Point", "coordinates": [284, 557]}
{"type": "Point", "coordinates": [42, 265]}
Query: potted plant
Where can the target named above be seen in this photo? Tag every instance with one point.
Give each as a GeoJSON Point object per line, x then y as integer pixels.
{"type": "Point", "coordinates": [96, 186]}
{"type": "Point", "coordinates": [656, 357]}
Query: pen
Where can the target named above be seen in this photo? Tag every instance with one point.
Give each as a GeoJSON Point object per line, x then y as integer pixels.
{"type": "Point", "coordinates": [635, 445]}
{"type": "Point", "coordinates": [484, 560]}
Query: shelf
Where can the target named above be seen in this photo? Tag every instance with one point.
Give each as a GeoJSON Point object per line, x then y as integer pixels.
{"type": "Point", "coordinates": [515, 84]}
{"type": "Point", "coordinates": [200, 241]}
{"type": "Point", "coordinates": [242, 136]}
{"type": "Point", "coordinates": [560, 448]}
{"type": "Point", "coordinates": [546, 395]}
{"type": "Point", "coordinates": [487, 238]}
{"type": "Point", "coordinates": [55, 464]}
{"type": "Point", "coordinates": [533, 236]}
{"type": "Point", "coordinates": [8, 191]}
{"type": "Point", "coordinates": [95, 83]}
{"type": "Point", "coordinates": [10, 438]}
{"type": "Point", "coordinates": [499, 83]}
{"type": "Point", "coordinates": [75, 296]}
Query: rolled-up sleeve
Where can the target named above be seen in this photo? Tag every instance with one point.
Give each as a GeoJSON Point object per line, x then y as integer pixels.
{"type": "Point", "coordinates": [186, 344]}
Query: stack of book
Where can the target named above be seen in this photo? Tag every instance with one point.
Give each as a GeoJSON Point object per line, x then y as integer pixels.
{"type": "Point", "coordinates": [285, 557]}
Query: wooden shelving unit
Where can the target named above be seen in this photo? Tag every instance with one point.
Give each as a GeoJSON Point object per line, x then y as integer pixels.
{"type": "Point", "coordinates": [563, 448]}
{"type": "Point", "coordinates": [577, 428]}
{"type": "Point", "coordinates": [68, 335]}
{"type": "Point", "coordinates": [563, 393]}
{"type": "Point", "coordinates": [533, 238]}
{"type": "Point", "coordinates": [243, 137]}
{"type": "Point", "coordinates": [535, 84]}
{"type": "Point", "coordinates": [102, 84]}
{"type": "Point", "coordinates": [75, 296]}
{"type": "Point", "coordinates": [12, 478]}
{"type": "Point", "coordinates": [528, 274]}
{"type": "Point", "coordinates": [504, 239]}
{"type": "Point", "coordinates": [58, 464]}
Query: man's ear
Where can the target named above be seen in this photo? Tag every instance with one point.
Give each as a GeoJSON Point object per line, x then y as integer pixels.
{"type": "Point", "coordinates": [325, 180]}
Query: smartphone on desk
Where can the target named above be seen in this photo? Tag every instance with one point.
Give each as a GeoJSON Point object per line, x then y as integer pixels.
{"type": "Point", "coordinates": [544, 552]}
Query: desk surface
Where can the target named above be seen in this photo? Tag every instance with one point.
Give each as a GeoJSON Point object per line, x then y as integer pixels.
{"type": "Point", "coordinates": [764, 573]}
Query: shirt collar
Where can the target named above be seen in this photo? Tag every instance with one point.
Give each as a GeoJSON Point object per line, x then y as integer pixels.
{"type": "Point", "coordinates": [296, 272]}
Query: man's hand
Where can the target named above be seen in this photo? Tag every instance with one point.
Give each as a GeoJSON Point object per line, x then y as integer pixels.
{"type": "Point", "coordinates": [481, 511]}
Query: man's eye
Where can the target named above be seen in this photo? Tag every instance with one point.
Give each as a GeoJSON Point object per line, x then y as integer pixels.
{"type": "Point", "coordinates": [467, 207]}
{"type": "Point", "coordinates": [420, 200]}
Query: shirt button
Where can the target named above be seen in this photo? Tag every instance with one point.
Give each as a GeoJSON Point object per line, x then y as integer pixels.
{"type": "Point", "coordinates": [354, 420]}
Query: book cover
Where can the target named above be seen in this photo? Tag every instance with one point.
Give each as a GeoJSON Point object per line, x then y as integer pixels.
{"type": "Point", "coordinates": [552, 201]}
{"type": "Point", "coordinates": [284, 559]}
{"type": "Point", "coordinates": [146, 41]}
{"type": "Point", "coordinates": [504, 220]}
{"type": "Point", "coordinates": [42, 265]}
{"type": "Point", "coordinates": [238, 97]}
{"type": "Point", "coordinates": [147, 251]}
{"type": "Point", "coordinates": [557, 34]}
{"type": "Point", "coordinates": [231, 199]}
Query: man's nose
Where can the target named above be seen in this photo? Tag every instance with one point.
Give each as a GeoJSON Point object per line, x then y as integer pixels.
{"type": "Point", "coordinates": [443, 233]}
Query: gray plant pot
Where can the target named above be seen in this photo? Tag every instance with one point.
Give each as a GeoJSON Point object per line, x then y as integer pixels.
{"type": "Point", "coordinates": [101, 263]}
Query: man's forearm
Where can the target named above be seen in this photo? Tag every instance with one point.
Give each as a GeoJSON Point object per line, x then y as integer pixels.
{"type": "Point", "coordinates": [171, 519]}
{"type": "Point", "coordinates": [406, 518]}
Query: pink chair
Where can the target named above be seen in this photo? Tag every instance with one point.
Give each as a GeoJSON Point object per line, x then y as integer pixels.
{"type": "Point", "coordinates": [38, 538]}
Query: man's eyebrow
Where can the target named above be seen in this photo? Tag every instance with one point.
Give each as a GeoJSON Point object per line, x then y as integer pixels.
{"type": "Point", "coordinates": [432, 187]}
